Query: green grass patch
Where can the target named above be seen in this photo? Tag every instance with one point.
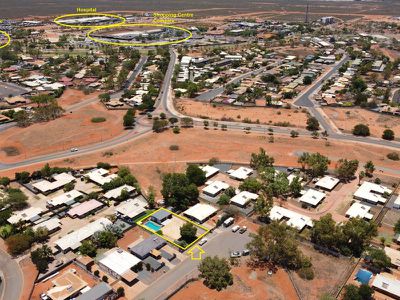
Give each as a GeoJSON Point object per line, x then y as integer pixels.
{"type": "Point", "coordinates": [98, 120]}
{"type": "Point", "coordinates": [147, 213]}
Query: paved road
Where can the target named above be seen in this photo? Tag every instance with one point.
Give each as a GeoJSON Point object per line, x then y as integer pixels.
{"type": "Point", "coordinates": [219, 244]}
{"type": "Point", "coordinates": [12, 279]}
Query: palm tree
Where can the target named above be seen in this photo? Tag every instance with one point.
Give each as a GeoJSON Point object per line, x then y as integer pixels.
{"type": "Point", "coordinates": [361, 175]}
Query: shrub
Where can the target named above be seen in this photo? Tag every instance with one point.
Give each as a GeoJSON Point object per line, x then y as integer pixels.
{"type": "Point", "coordinates": [98, 120]}
{"type": "Point", "coordinates": [393, 156]}
{"type": "Point", "coordinates": [174, 147]}
{"type": "Point", "coordinates": [96, 273]}
{"type": "Point", "coordinates": [176, 130]}
{"type": "Point", "coordinates": [361, 130]}
{"type": "Point", "coordinates": [306, 273]}
{"type": "Point", "coordinates": [388, 134]}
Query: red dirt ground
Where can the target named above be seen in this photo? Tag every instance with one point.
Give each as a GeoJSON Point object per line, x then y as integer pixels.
{"type": "Point", "coordinates": [247, 285]}
{"type": "Point", "coordinates": [71, 130]}
{"type": "Point", "coordinates": [30, 274]}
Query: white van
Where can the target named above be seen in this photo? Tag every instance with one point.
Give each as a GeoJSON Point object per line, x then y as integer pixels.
{"type": "Point", "coordinates": [235, 228]}
{"type": "Point", "coordinates": [228, 222]}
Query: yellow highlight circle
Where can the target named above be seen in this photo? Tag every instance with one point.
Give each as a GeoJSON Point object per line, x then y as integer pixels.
{"type": "Point", "coordinates": [140, 44]}
{"type": "Point", "coordinates": [58, 22]}
{"type": "Point", "coordinates": [8, 39]}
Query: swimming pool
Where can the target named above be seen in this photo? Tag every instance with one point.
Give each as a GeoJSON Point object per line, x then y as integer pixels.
{"type": "Point", "coordinates": [153, 226]}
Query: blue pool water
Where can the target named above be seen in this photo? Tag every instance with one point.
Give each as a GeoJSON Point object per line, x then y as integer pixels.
{"type": "Point", "coordinates": [152, 225]}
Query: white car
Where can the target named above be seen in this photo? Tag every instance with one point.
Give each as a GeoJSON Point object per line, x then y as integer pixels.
{"type": "Point", "coordinates": [235, 228]}
{"type": "Point", "coordinates": [74, 149]}
{"type": "Point", "coordinates": [203, 241]}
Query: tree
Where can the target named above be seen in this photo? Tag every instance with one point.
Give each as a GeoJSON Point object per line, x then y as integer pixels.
{"type": "Point", "coordinates": [5, 181]}
{"type": "Point", "coordinates": [312, 124]}
{"type": "Point", "coordinates": [369, 168]}
{"type": "Point", "coordinates": [294, 133]}
{"type": "Point", "coordinates": [315, 163]}
{"type": "Point", "coordinates": [378, 258]}
{"type": "Point", "coordinates": [178, 192]}
{"type": "Point", "coordinates": [361, 130]}
{"type": "Point", "coordinates": [388, 134]}
{"type": "Point", "coordinates": [351, 293]}
{"type": "Point", "coordinates": [151, 195]}
{"type": "Point", "coordinates": [276, 243]}
{"type": "Point", "coordinates": [16, 199]}
{"type": "Point", "coordinates": [195, 175]}
{"type": "Point", "coordinates": [324, 232]}
{"type": "Point", "coordinates": [188, 232]}
{"type": "Point", "coordinates": [365, 291]}
{"type": "Point", "coordinates": [250, 184]}
{"type": "Point", "coordinates": [129, 118]}
{"type": "Point", "coordinates": [307, 80]}
{"type": "Point", "coordinates": [187, 122]}
{"type": "Point", "coordinates": [346, 169]}
{"type": "Point", "coordinates": [105, 239]}
{"type": "Point", "coordinates": [295, 186]}
{"type": "Point", "coordinates": [261, 160]}
{"type": "Point", "coordinates": [18, 243]}
{"type": "Point", "coordinates": [120, 291]}
{"type": "Point", "coordinates": [216, 273]}
{"type": "Point", "coordinates": [159, 125]}
{"type": "Point", "coordinates": [41, 257]}
{"type": "Point", "coordinates": [22, 177]}
{"type": "Point", "coordinates": [358, 234]}
{"type": "Point", "coordinates": [88, 248]}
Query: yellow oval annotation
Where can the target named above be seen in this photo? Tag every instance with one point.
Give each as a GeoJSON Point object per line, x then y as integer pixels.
{"type": "Point", "coordinates": [7, 37]}
{"type": "Point", "coordinates": [58, 20]}
{"type": "Point", "coordinates": [97, 40]}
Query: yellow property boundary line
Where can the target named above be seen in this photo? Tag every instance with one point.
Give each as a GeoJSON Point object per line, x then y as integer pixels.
{"type": "Point", "coordinates": [139, 222]}
{"type": "Point", "coordinates": [8, 39]}
{"type": "Point", "coordinates": [139, 44]}
{"type": "Point", "coordinates": [58, 22]}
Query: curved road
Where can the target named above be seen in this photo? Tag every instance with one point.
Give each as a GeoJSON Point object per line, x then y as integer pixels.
{"type": "Point", "coordinates": [12, 278]}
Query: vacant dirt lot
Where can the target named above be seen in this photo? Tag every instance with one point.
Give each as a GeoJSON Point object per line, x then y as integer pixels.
{"type": "Point", "coordinates": [72, 130]}
{"type": "Point", "coordinates": [71, 97]}
{"type": "Point", "coordinates": [247, 284]}
{"type": "Point", "coordinates": [265, 115]}
{"type": "Point", "coordinates": [330, 272]}
{"type": "Point", "coordinates": [347, 118]}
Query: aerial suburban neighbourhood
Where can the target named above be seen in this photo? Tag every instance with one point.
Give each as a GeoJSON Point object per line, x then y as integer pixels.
{"type": "Point", "coordinates": [202, 150]}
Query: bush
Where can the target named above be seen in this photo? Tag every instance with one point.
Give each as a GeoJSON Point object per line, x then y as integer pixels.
{"type": "Point", "coordinates": [96, 273]}
{"type": "Point", "coordinates": [388, 134]}
{"type": "Point", "coordinates": [176, 130]}
{"type": "Point", "coordinates": [98, 120]}
{"type": "Point", "coordinates": [174, 147]}
{"type": "Point", "coordinates": [306, 273]}
{"type": "Point", "coordinates": [393, 156]}
{"type": "Point", "coordinates": [361, 130]}
{"type": "Point", "coordinates": [103, 165]}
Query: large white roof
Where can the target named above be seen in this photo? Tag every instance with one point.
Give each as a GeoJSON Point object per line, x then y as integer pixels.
{"type": "Point", "coordinates": [359, 210]}
{"type": "Point", "coordinates": [28, 214]}
{"type": "Point", "coordinates": [64, 198]}
{"type": "Point", "coordinates": [59, 181]}
{"type": "Point", "coordinates": [115, 193]}
{"type": "Point", "coordinates": [210, 170]}
{"type": "Point", "coordinates": [200, 211]}
{"type": "Point", "coordinates": [131, 207]}
{"type": "Point", "coordinates": [389, 285]}
{"type": "Point", "coordinates": [243, 198]}
{"type": "Point", "coordinates": [372, 192]}
{"type": "Point", "coordinates": [312, 197]}
{"type": "Point", "coordinates": [214, 187]}
{"type": "Point", "coordinates": [327, 182]}
{"type": "Point", "coordinates": [119, 261]}
{"type": "Point", "coordinates": [49, 224]}
{"type": "Point", "coordinates": [99, 176]}
{"type": "Point", "coordinates": [73, 240]}
{"type": "Point", "coordinates": [394, 256]}
{"type": "Point", "coordinates": [240, 173]}
{"type": "Point", "coordinates": [295, 219]}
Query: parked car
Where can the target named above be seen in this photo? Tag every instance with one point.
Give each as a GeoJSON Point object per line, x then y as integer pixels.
{"type": "Point", "coordinates": [235, 254]}
{"type": "Point", "coordinates": [203, 241]}
{"type": "Point", "coordinates": [228, 222]}
{"type": "Point", "coordinates": [235, 228]}
{"type": "Point", "coordinates": [246, 252]}
{"type": "Point", "coordinates": [243, 229]}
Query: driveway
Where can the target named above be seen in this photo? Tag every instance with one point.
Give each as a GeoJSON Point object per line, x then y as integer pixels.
{"type": "Point", "coordinates": [11, 275]}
